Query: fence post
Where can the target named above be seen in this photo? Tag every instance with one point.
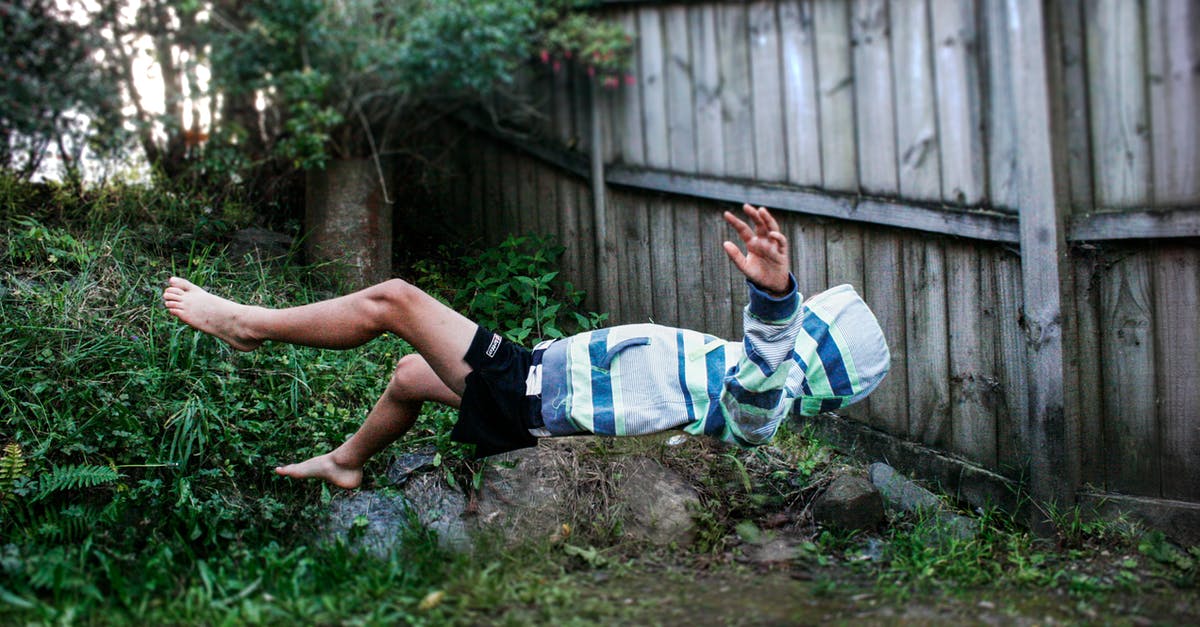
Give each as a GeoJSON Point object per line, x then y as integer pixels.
{"type": "Point", "coordinates": [1045, 263]}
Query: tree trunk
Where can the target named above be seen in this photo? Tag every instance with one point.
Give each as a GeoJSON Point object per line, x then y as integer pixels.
{"type": "Point", "coordinates": [349, 220]}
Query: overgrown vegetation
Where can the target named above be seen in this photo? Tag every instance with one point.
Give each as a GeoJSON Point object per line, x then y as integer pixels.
{"type": "Point", "coordinates": [136, 456]}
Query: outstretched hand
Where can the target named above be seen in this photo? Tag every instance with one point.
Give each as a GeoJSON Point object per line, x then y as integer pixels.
{"type": "Point", "coordinates": [765, 262]}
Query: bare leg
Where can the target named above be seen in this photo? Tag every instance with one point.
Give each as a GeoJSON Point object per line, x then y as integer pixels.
{"type": "Point", "coordinates": [440, 334]}
{"type": "Point", "coordinates": [412, 383]}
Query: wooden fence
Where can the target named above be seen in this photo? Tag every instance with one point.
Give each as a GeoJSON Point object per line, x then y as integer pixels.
{"type": "Point", "coordinates": [1012, 185]}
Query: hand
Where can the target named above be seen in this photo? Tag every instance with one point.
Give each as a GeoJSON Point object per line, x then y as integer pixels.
{"type": "Point", "coordinates": [765, 263]}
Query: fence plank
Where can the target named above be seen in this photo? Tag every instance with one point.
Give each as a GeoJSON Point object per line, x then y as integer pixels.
{"type": "Point", "coordinates": [681, 109]}
{"type": "Point", "coordinates": [835, 95]}
{"type": "Point", "coordinates": [766, 90]}
{"type": "Point", "coordinates": [844, 254]}
{"type": "Point", "coordinates": [547, 208]}
{"type": "Point", "coordinates": [973, 379]}
{"type": "Point", "coordinates": [706, 80]}
{"type": "Point", "coordinates": [807, 240]}
{"type": "Point", "coordinates": [1173, 35]}
{"type": "Point", "coordinates": [1177, 330]}
{"type": "Point", "coordinates": [875, 116]}
{"type": "Point", "coordinates": [689, 266]}
{"type": "Point", "coordinates": [1128, 356]}
{"type": "Point", "coordinates": [665, 294]}
{"type": "Point", "coordinates": [928, 363]}
{"type": "Point", "coordinates": [1002, 157]}
{"type": "Point", "coordinates": [585, 219]}
{"type": "Point", "coordinates": [956, 65]}
{"type": "Point", "coordinates": [630, 142]}
{"type": "Point", "coordinates": [1012, 359]}
{"type": "Point", "coordinates": [654, 94]}
{"type": "Point", "coordinates": [528, 209]}
{"type": "Point", "coordinates": [635, 266]}
{"type": "Point", "coordinates": [736, 113]}
{"type": "Point", "coordinates": [1091, 406]}
{"type": "Point", "coordinates": [884, 291]}
{"type": "Point", "coordinates": [801, 123]}
{"type": "Point", "coordinates": [919, 161]}
{"type": "Point", "coordinates": [1074, 64]}
{"type": "Point", "coordinates": [718, 316]}
{"type": "Point", "coordinates": [1116, 83]}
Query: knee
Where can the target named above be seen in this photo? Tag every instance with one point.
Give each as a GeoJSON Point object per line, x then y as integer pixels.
{"type": "Point", "coordinates": [403, 385]}
{"type": "Point", "coordinates": [393, 297]}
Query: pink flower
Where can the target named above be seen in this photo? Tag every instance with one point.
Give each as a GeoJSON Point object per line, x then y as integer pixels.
{"type": "Point", "coordinates": [591, 71]}
{"type": "Point", "coordinates": [630, 80]}
{"type": "Point", "coordinates": [545, 56]}
{"type": "Point", "coordinates": [557, 66]}
{"type": "Point", "coordinates": [611, 82]}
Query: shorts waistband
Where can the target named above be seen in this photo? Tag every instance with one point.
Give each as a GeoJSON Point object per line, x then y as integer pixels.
{"type": "Point", "coordinates": [533, 392]}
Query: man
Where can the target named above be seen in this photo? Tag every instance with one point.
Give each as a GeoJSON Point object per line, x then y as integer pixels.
{"type": "Point", "coordinates": [625, 380]}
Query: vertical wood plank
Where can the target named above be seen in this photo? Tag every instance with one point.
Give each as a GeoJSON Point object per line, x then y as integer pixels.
{"type": "Point", "coordinates": [473, 145]}
{"type": "Point", "coordinates": [807, 239]}
{"type": "Point", "coordinates": [844, 254]}
{"type": "Point", "coordinates": [1177, 331]}
{"type": "Point", "coordinates": [766, 87]}
{"type": "Point", "coordinates": [589, 257]}
{"type": "Point", "coordinates": [835, 95]}
{"type": "Point", "coordinates": [973, 379]}
{"type": "Point", "coordinates": [491, 192]}
{"type": "Point", "coordinates": [548, 209]}
{"type": "Point", "coordinates": [916, 112]}
{"type": "Point", "coordinates": [884, 290]}
{"type": "Point", "coordinates": [1001, 122]}
{"type": "Point", "coordinates": [1012, 359]}
{"type": "Point", "coordinates": [1120, 121]}
{"type": "Point", "coordinates": [529, 207]}
{"type": "Point", "coordinates": [1075, 98]}
{"type": "Point", "coordinates": [800, 110]}
{"type": "Point", "coordinates": [718, 312]}
{"type": "Point", "coordinates": [510, 191]}
{"type": "Point", "coordinates": [690, 270]}
{"type": "Point", "coordinates": [630, 146]}
{"type": "Point", "coordinates": [654, 94]}
{"type": "Point", "coordinates": [706, 80]}
{"type": "Point", "coordinates": [875, 115]}
{"type": "Point", "coordinates": [664, 292]}
{"type": "Point", "coordinates": [737, 128]}
{"type": "Point", "coordinates": [1173, 35]}
{"type": "Point", "coordinates": [1128, 356]}
{"type": "Point", "coordinates": [928, 367]}
{"type": "Point", "coordinates": [635, 266]}
{"type": "Point", "coordinates": [959, 110]}
{"type": "Point", "coordinates": [1091, 381]}
{"type": "Point", "coordinates": [681, 109]}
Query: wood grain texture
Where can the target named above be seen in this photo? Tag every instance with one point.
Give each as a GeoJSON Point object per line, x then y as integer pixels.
{"type": "Point", "coordinates": [835, 95]}
{"type": "Point", "coordinates": [928, 364]}
{"type": "Point", "coordinates": [973, 381]}
{"type": "Point", "coordinates": [1091, 381]}
{"type": "Point", "coordinates": [1012, 360]}
{"type": "Point", "coordinates": [1128, 355]}
{"type": "Point", "coordinates": [737, 114]}
{"type": "Point", "coordinates": [1075, 95]}
{"type": "Point", "coordinates": [1117, 89]}
{"type": "Point", "coordinates": [706, 79]}
{"type": "Point", "coordinates": [807, 240]}
{"type": "Point", "coordinates": [630, 143]}
{"type": "Point", "coordinates": [959, 105]}
{"type": "Point", "coordinates": [690, 268]}
{"type": "Point", "coordinates": [875, 111]}
{"type": "Point", "coordinates": [653, 88]}
{"type": "Point", "coordinates": [919, 155]}
{"type": "Point", "coordinates": [664, 294]}
{"type": "Point", "coordinates": [801, 117]}
{"type": "Point", "coordinates": [548, 209]}
{"type": "Point", "coordinates": [884, 291]}
{"type": "Point", "coordinates": [718, 311]}
{"type": "Point", "coordinates": [681, 105]}
{"type": "Point", "coordinates": [766, 90]}
{"type": "Point", "coordinates": [1177, 335]}
{"type": "Point", "coordinates": [1000, 114]}
{"type": "Point", "coordinates": [1173, 39]}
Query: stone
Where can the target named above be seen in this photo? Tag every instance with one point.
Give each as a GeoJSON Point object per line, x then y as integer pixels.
{"type": "Point", "coordinates": [658, 503]}
{"type": "Point", "coordinates": [439, 508]}
{"type": "Point", "coordinates": [371, 521]}
{"type": "Point", "coordinates": [851, 503]}
{"type": "Point", "coordinates": [901, 494]}
{"type": "Point", "coordinates": [261, 244]}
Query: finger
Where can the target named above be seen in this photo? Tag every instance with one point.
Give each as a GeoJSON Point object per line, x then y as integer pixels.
{"type": "Point", "coordinates": [760, 226]}
{"type": "Point", "coordinates": [780, 250]}
{"type": "Point", "coordinates": [735, 255]}
{"type": "Point", "coordinates": [771, 223]}
{"type": "Point", "coordinates": [743, 230]}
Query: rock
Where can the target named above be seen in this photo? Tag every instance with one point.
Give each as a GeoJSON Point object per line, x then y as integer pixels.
{"type": "Point", "coordinates": [372, 521]}
{"type": "Point", "coordinates": [520, 495]}
{"type": "Point", "coordinates": [406, 464]}
{"type": "Point", "coordinates": [439, 508]}
{"type": "Point", "coordinates": [900, 494]}
{"type": "Point", "coordinates": [658, 502]}
{"type": "Point", "coordinates": [850, 502]}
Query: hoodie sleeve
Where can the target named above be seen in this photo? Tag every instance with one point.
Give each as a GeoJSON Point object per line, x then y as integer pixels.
{"type": "Point", "coordinates": [752, 399]}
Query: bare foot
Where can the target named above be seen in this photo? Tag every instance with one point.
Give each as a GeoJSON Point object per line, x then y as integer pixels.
{"type": "Point", "coordinates": [211, 314]}
{"type": "Point", "coordinates": [323, 467]}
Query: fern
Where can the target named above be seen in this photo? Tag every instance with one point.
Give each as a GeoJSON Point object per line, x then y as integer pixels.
{"type": "Point", "coordinates": [12, 467]}
{"type": "Point", "coordinates": [75, 477]}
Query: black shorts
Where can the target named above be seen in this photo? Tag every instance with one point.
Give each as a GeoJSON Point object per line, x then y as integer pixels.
{"type": "Point", "coordinates": [495, 410]}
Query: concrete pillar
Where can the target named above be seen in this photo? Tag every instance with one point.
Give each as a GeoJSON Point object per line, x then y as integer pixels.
{"type": "Point", "coordinates": [348, 220]}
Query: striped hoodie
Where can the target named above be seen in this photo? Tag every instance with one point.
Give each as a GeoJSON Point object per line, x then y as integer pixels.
{"type": "Point", "coordinates": [644, 378]}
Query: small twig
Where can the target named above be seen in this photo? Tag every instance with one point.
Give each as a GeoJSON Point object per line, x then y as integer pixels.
{"type": "Point", "coordinates": [374, 153]}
